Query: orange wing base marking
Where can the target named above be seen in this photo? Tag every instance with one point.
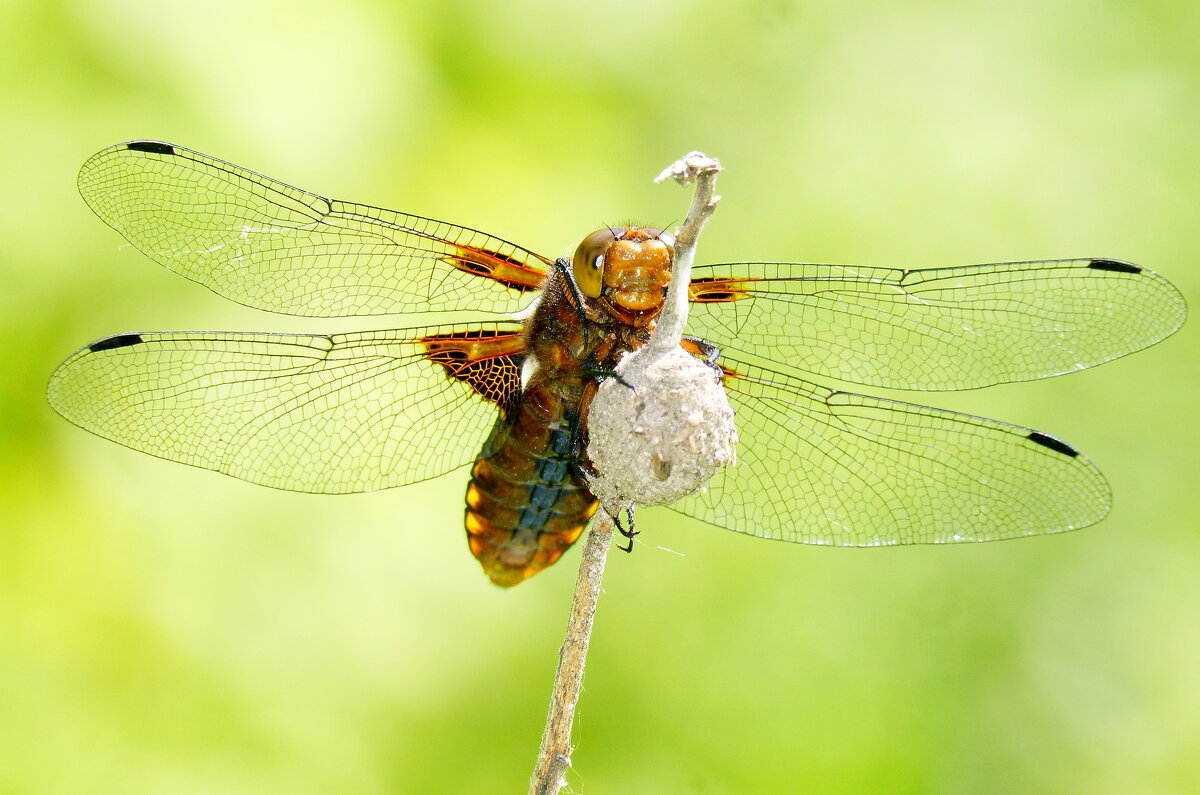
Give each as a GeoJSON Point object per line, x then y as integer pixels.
{"type": "Point", "coordinates": [488, 360]}
{"type": "Point", "coordinates": [503, 268]}
{"type": "Point", "coordinates": [716, 290]}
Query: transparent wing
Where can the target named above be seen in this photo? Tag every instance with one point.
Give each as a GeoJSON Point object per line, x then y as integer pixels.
{"type": "Point", "coordinates": [819, 466]}
{"type": "Point", "coordinates": [933, 329]}
{"type": "Point", "coordinates": [326, 414]}
{"type": "Point", "coordinates": [268, 245]}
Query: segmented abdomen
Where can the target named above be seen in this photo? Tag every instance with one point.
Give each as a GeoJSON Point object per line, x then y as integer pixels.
{"type": "Point", "coordinates": [526, 502]}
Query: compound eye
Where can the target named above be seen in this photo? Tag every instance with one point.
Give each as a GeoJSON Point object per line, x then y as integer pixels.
{"type": "Point", "coordinates": [588, 262]}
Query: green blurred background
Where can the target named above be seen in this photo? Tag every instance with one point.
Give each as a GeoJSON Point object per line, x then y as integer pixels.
{"type": "Point", "coordinates": [168, 630]}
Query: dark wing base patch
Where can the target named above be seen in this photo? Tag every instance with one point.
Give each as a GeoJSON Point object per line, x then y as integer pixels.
{"type": "Point", "coordinates": [488, 360]}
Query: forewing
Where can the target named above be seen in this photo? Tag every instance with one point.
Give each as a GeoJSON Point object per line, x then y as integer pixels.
{"type": "Point", "coordinates": [268, 245]}
{"type": "Point", "coordinates": [938, 328]}
{"type": "Point", "coordinates": [325, 414]}
{"type": "Point", "coordinates": [820, 466]}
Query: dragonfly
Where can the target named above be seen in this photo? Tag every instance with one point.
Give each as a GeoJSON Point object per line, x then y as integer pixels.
{"type": "Point", "coordinates": [509, 395]}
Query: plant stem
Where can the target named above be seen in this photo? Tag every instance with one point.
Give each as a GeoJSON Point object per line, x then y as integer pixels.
{"type": "Point", "coordinates": [701, 170]}
{"type": "Point", "coordinates": [549, 776]}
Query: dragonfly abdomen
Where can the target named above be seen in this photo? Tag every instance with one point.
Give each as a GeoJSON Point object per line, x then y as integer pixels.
{"type": "Point", "coordinates": [526, 502]}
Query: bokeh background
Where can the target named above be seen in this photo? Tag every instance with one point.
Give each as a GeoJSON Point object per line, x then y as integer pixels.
{"type": "Point", "coordinates": [169, 630]}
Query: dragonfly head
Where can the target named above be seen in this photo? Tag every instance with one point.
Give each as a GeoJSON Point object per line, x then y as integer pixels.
{"type": "Point", "coordinates": [628, 266]}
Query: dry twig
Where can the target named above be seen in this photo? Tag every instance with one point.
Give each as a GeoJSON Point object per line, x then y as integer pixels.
{"type": "Point", "coordinates": [555, 755]}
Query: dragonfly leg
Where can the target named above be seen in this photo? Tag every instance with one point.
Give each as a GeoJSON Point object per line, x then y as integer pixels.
{"type": "Point", "coordinates": [564, 269]}
{"type": "Point", "coordinates": [630, 533]}
{"type": "Point", "coordinates": [708, 351]}
{"type": "Point", "coordinates": [601, 374]}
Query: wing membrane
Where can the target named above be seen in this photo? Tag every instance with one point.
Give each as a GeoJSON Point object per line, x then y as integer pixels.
{"type": "Point", "coordinates": [820, 466]}
{"type": "Point", "coordinates": [938, 328]}
{"type": "Point", "coordinates": [326, 414]}
{"type": "Point", "coordinates": [268, 245]}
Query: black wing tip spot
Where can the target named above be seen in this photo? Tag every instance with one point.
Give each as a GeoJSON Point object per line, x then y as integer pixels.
{"type": "Point", "coordinates": [116, 341]}
{"type": "Point", "coordinates": [1114, 265]}
{"type": "Point", "coordinates": [156, 147]}
{"type": "Point", "coordinates": [1052, 443]}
